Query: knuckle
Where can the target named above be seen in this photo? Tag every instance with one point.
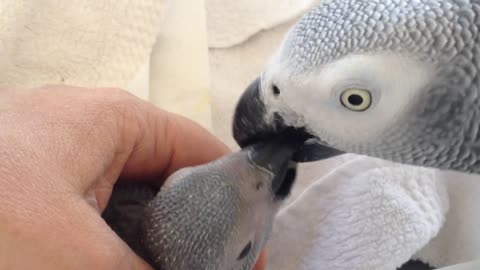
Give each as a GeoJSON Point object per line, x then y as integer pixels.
{"type": "Point", "coordinates": [124, 111]}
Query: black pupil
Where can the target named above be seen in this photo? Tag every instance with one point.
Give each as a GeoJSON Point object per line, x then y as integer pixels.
{"type": "Point", "coordinates": [245, 251]}
{"type": "Point", "coordinates": [355, 100]}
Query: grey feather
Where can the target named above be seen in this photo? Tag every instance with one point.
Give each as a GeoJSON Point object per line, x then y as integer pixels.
{"type": "Point", "coordinates": [439, 128]}
{"type": "Point", "coordinates": [125, 212]}
{"type": "Point", "coordinates": [443, 129]}
{"type": "Point", "coordinates": [446, 33]}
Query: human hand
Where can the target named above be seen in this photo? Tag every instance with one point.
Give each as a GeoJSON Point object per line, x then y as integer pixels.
{"type": "Point", "coordinates": [61, 151]}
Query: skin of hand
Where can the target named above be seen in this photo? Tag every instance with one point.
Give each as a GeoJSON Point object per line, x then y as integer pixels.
{"type": "Point", "coordinates": [61, 151]}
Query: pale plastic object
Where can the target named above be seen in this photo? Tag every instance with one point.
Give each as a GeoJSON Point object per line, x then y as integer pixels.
{"type": "Point", "coordinates": [179, 67]}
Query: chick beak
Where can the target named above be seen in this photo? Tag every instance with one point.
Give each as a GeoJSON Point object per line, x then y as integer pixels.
{"type": "Point", "coordinates": [276, 156]}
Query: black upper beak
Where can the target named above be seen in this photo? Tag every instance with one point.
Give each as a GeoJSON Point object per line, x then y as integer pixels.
{"type": "Point", "coordinates": [250, 127]}
{"type": "Point", "coordinates": [248, 123]}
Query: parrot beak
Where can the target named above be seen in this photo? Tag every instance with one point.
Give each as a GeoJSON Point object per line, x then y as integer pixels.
{"type": "Point", "coordinates": [275, 157]}
{"type": "Point", "coordinates": [250, 127]}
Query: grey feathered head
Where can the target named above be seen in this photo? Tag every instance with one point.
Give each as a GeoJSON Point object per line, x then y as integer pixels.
{"type": "Point", "coordinates": [218, 215]}
{"type": "Point", "coordinates": [395, 79]}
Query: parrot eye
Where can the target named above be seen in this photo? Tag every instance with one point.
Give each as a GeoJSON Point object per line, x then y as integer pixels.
{"type": "Point", "coordinates": [245, 251]}
{"type": "Point", "coordinates": [356, 99]}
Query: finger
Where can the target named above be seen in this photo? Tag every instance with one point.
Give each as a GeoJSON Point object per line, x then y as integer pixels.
{"type": "Point", "coordinates": [262, 261]}
{"type": "Point", "coordinates": [63, 233]}
{"type": "Point", "coordinates": [149, 143]}
{"type": "Point", "coordinates": [168, 142]}
{"type": "Point", "coordinates": [97, 125]}
{"type": "Point", "coordinates": [102, 247]}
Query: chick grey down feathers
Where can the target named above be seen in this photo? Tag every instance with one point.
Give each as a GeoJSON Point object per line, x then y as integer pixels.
{"type": "Point", "coordinates": [216, 216]}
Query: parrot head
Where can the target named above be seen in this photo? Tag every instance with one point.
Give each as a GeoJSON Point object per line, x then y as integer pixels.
{"type": "Point", "coordinates": [219, 215]}
{"type": "Point", "coordinates": [391, 79]}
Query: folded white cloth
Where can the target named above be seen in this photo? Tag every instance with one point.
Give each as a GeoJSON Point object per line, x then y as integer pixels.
{"type": "Point", "coordinates": [78, 42]}
{"type": "Point", "coordinates": [377, 215]}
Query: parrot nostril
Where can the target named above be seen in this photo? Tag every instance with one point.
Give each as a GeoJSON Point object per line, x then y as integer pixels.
{"type": "Point", "coordinates": [275, 90]}
{"type": "Point", "coordinates": [259, 185]}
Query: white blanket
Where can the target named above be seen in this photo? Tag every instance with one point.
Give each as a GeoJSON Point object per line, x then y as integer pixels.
{"type": "Point", "coordinates": [78, 42]}
{"type": "Point", "coordinates": [377, 215]}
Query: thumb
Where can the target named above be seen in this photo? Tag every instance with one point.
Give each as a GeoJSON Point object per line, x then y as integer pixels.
{"type": "Point", "coordinates": [67, 232]}
{"type": "Point", "coordinates": [127, 260]}
{"type": "Point", "coordinates": [62, 233]}
{"type": "Point", "coordinates": [107, 249]}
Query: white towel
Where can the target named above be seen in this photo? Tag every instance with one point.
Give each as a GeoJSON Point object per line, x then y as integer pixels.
{"type": "Point", "coordinates": [377, 215]}
{"type": "Point", "coordinates": [78, 42]}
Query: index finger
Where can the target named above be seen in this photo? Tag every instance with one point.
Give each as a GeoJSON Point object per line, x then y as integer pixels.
{"type": "Point", "coordinates": [167, 142]}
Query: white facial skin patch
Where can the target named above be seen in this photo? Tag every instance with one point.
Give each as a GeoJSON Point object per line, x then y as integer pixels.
{"type": "Point", "coordinates": [392, 81]}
